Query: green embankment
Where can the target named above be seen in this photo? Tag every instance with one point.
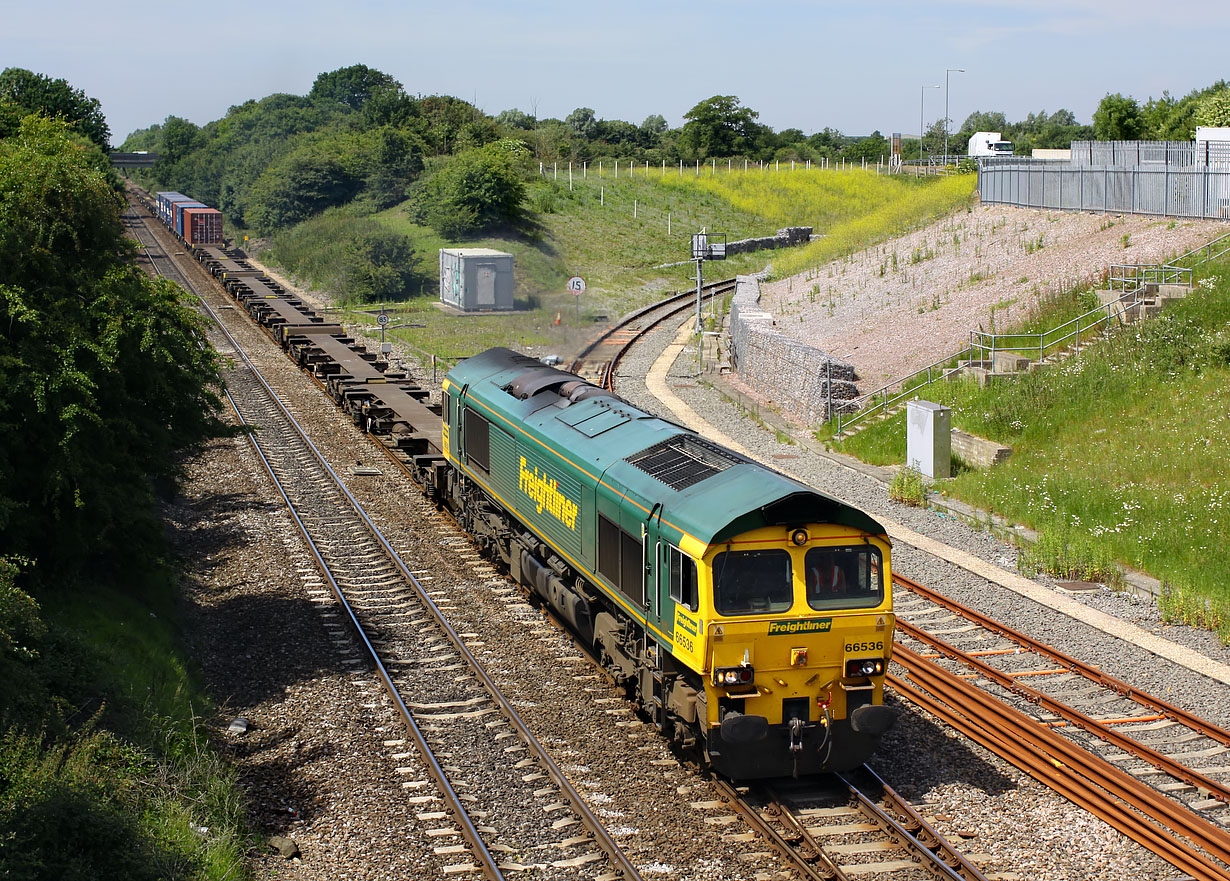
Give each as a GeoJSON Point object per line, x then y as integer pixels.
{"type": "Point", "coordinates": [1118, 455]}
{"type": "Point", "coordinates": [618, 233]}
{"type": "Point", "coordinates": [105, 769]}
{"type": "Point", "coordinates": [118, 781]}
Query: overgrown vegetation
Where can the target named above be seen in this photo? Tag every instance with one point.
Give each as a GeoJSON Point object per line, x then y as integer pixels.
{"type": "Point", "coordinates": [1117, 455]}
{"type": "Point", "coordinates": [104, 772]}
{"type": "Point", "coordinates": [907, 487]}
{"type": "Point", "coordinates": [848, 209]}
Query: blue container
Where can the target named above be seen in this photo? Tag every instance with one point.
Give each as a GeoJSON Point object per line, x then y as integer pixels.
{"type": "Point", "coordinates": [178, 216]}
{"type": "Point", "coordinates": [164, 200]}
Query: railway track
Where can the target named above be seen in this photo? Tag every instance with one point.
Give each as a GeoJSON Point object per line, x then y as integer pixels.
{"type": "Point", "coordinates": [1147, 767]}
{"type": "Point", "coordinates": [598, 361]}
{"type": "Point", "coordinates": [848, 826]}
{"type": "Point", "coordinates": [494, 798]}
{"type": "Point", "coordinates": [1156, 773]}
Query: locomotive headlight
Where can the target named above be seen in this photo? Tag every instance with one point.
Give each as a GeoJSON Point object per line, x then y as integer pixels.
{"type": "Point", "coordinates": [734, 676]}
{"type": "Point", "coordinates": [865, 667]}
{"type": "Point", "coordinates": [799, 537]}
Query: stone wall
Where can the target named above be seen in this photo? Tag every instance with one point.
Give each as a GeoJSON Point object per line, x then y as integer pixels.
{"type": "Point", "coordinates": [977, 451]}
{"type": "Point", "coordinates": [785, 238]}
{"type": "Point", "coordinates": [783, 370]}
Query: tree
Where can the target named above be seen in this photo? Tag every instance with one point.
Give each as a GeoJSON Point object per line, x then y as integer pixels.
{"type": "Point", "coordinates": [652, 130]}
{"type": "Point", "coordinates": [582, 121]}
{"type": "Point", "coordinates": [37, 93]}
{"type": "Point", "coordinates": [1214, 109]}
{"type": "Point", "coordinates": [302, 183]}
{"type": "Point", "coordinates": [873, 148]}
{"type": "Point", "coordinates": [827, 142]}
{"type": "Point", "coordinates": [1063, 118]}
{"type": "Point", "coordinates": [390, 107]}
{"type": "Point", "coordinates": [473, 190]}
{"type": "Point", "coordinates": [618, 133]}
{"type": "Point", "coordinates": [516, 119]}
{"type": "Point", "coordinates": [654, 124]}
{"type": "Point", "coordinates": [178, 139]}
{"type": "Point", "coordinates": [933, 139]}
{"type": "Point", "coordinates": [984, 121]}
{"type": "Point", "coordinates": [1117, 118]}
{"type": "Point", "coordinates": [353, 86]}
{"type": "Point", "coordinates": [720, 126]}
{"type": "Point", "coordinates": [102, 374]}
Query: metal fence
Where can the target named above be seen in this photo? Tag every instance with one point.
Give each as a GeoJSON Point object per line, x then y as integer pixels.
{"type": "Point", "coordinates": [1164, 190]}
{"type": "Point", "coordinates": [1182, 155]}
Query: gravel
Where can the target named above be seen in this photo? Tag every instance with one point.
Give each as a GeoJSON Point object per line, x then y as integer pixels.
{"type": "Point", "coordinates": [980, 269]}
{"type": "Point", "coordinates": [321, 761]}
{"type": "Point", "coordinates": [316, 743]}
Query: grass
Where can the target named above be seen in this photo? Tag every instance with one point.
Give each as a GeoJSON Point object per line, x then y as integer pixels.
{"type": "Point", "coordinates": [850, 209]}
{"type": "Point", "coordinates": [1119, 455]}
{"type": "Point", "coordinates": [619, 234]}
{"type": "Point", "coordinates": [118, 780]}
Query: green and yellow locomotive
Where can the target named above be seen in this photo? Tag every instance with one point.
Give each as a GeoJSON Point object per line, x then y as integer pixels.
{"type": "Point", "coordinates": [749, 615]}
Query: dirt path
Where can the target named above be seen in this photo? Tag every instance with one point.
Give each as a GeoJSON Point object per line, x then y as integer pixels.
{"type": "Point", "coordinates": [896, 307]}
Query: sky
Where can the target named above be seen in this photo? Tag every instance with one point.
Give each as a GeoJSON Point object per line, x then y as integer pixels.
{"type": "Point", "coordinates": [855, 67]}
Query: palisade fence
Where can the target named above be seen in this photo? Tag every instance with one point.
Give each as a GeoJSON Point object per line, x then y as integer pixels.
{"type": "Point", "coordinates": [1166, 178]}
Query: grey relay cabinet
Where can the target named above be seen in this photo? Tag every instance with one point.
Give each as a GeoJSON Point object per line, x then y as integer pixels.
{"type": "Point", "coordinates": [476, 279]}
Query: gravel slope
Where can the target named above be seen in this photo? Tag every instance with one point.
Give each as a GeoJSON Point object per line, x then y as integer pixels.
{"type": "Point", "coordinates": [980, 269]}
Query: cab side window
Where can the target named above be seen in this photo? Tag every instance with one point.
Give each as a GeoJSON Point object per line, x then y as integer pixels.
{"type": "Point", "coordinates": [681, 570]}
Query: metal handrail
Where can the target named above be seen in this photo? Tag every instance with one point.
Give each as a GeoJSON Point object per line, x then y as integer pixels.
{"type": "Point", "coordinates": [1134, 276]}
{"type": "Point", "coordinates": [1106, 313]}
{"type": "Point", "coordinates": [1132, 279]}
{"type": "Point", "coordinates": [858, 403]}
{"type": "Point", "coordinates": [1206, 247]}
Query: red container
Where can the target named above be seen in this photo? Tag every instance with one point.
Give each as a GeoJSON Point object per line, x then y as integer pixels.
{"type": "Point", "coordinates": [202, 226]}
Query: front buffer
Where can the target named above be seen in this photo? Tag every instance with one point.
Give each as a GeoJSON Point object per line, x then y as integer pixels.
{"type": "Point", "coordinates": [792, 703]}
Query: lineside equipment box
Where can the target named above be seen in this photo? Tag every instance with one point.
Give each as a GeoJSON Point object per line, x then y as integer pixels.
{"type": "Point", "coordinates": [476, 279]}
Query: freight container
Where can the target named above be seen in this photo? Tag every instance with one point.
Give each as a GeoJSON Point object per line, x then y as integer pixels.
{"type": "Point", "coordinates": [202, 226]}
{"type": "Point", "coordinates": [177, 215]}
{"type": "Point", "coordinates": [164, 200]}
{"type": "Point", "coordinates": [476, 279]}
{"type": "Point", "coordinates": [166, 206]}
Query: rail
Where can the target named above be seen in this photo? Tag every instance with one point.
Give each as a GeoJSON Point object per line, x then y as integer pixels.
{"type": "Point", "coordinates": [865, 406]}
{"type": "Point", "coordinates": [1091, 782]}
{"type": "Point", "coordinates": [1219, 247]}
{"type": "Point", "coordinates": [460, 814]}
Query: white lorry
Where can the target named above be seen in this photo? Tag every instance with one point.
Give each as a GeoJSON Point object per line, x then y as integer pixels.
{"type": "Point", "coordinates": [989, 144]}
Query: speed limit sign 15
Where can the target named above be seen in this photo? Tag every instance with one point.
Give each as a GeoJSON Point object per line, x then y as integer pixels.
{"type": "Point", "coordinates": [576, 285]}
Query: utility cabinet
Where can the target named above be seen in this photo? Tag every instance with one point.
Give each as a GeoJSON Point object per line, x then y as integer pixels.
{"type": "Point", "coordinates": [928, 438]}
{"type": "Point", "coordinates": [476, 279]}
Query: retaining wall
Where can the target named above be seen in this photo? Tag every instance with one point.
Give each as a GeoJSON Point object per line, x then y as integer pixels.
{"type": "Point", "coordinates": [784, 370]}
{"type": "Point", "coordinates": [785, 238]}
{"type": "Point", "coordinates": [978, 451]}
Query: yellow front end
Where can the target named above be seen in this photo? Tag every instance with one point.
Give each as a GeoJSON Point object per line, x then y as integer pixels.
{"type": "Point", "coordinates": [793, 639]}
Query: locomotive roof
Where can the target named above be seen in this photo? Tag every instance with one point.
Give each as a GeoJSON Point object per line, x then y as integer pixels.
{"type": "Point", "coordinates": [705, 490]}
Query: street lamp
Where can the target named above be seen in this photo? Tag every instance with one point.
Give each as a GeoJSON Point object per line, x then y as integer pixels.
{"type": "Point", "coordinates": [946, 72]}
{"type": "Point", "coordinates": [922, 94]}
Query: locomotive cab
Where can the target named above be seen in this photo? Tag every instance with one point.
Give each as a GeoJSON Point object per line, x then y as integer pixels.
{"type": "Point", "coordinates": [797, 630]}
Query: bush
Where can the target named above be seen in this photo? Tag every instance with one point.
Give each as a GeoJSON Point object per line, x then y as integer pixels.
{"type": "Point", "coordinates": [472, 191]}
{"type": "Point", "coordinates": [1069, 553]}
{"type": "Point", "coordinates": [907, 487]}
{"type": "Point", "coordinates": [354, 256]}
